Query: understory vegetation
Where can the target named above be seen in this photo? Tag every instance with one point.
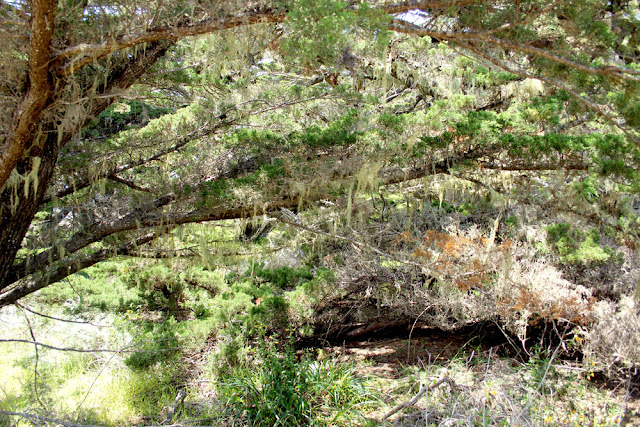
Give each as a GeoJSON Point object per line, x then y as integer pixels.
{"type": "Point", "coordinates": [319, 213]}
{"type": "Point", "coordinates": [325, 327]}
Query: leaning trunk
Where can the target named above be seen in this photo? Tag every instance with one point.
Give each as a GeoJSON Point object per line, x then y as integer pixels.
{"type": "Point", "coordinates": [20, 200]}
{"type": "Point", "coordinates": [22, 195]}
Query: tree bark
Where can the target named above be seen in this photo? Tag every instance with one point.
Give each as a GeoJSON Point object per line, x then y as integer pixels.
{"type": "Point", "coordinates": [28, 114]}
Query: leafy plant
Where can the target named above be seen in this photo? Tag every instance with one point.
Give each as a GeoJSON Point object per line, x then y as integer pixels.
{"type": "Point", "coordinates": [576, 246]}
{"type": "Point", "coordinates": [287, 390]}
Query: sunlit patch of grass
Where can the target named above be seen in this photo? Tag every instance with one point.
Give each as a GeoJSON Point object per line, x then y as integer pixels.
{"type": "Point", "coordinates": [280, 388]}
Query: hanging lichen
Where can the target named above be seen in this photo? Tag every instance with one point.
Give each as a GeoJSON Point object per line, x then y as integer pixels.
{"type": "Point", "coordinates": [368, 177]}
{"type": "Point", "coordinates": [27, 181]}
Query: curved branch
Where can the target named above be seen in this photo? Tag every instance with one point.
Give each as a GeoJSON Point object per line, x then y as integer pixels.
{"type": "Point", "coordinates": [454, 36]}
{"type": "Point", "coordinates": [87, 54]}
{"type": "Point", "coordinates": [70, 267]}
{"type": "Point", "coordinates": [84, 238]}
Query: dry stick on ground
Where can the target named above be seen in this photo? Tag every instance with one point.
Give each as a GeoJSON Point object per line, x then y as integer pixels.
{"type": "Point", "coordinates": [171, 409]}
{"type": "Point", "coordinates": [422, 392]}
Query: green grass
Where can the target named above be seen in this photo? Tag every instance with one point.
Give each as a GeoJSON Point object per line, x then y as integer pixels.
{"type": "Point", "coordinates": [286, 389]}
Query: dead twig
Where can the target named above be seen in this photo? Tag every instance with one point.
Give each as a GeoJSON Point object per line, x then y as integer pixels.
{"type": "Point", "coordinates": [171, 409]}
{"type": "Point", "coordinates": [422, 392]}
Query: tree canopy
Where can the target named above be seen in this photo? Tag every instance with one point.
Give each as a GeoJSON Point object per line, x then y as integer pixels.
{"type": "Point", "coordinates": [125, 120]}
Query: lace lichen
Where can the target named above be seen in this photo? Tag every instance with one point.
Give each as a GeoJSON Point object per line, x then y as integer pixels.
{"type": "Point", "coordinates": [28, 181]}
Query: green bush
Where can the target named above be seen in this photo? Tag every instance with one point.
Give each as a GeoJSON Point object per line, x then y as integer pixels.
{"type": "Point", "coordinates": [575, 246]}
{"type": "Point", "coordinates": [284, 277]}
{"type": "Point", "coordinates": [159, 286]}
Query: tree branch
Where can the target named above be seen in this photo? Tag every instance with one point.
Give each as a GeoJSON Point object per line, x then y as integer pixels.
{"type": "Point", "coordinates": [458, 36]}
{"type": "Point", "coordinates": [71, 266]}
{"type": "Point", "coordinates": [130, 184]}
{"type": "Point", "coordinates": [151, 216]}
{"type": "Point", "coordinates": [83, 54]}
{"type": "Point", "coordinates": [84, 238]}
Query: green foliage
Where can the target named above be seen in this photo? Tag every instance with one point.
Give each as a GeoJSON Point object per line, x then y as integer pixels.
{"type": "Point", "coordinates": [392, 122]}
{"type": "Point", "coordinates": [256, 140]}
{"type": "Point", "coordinates": [159, 286]}
{"type": "Point", "coordinates": [587, 189]}
{"type": "Point", "coordinates": [122, 116]}
{"type": "Point", "coordinates": [152, 388]}
{"type": "Point", "coordinates": [321, 30]}
{"type": "Point", "coordinates": [287, 390]}
{"type": "Point", "coordinates": [546, 108]}
{"type": "Point", "coordinates": [284, 277]}
{"type": "Point", "coordinates": [215, 191]}
{"type": "Point", "coordinates": [273, 170]}
{"type": "Point", "coordinates": [104, 288]}
{"type": "Point", "coordinates": [340, 132]}
{"type": "Point", "coordinates": [576, 246]}
{"type": "Point", "coordinates": [512, 221]}
{"type": "Point", "coordinates": [158, 343]}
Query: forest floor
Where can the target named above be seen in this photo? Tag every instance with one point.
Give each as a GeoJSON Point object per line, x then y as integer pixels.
{"type": "Point", "coordinates": [473, 376]}
{"type": "Point", "coordinates": [489, 375]}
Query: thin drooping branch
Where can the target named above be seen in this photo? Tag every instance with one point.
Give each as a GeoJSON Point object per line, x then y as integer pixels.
{"type": "Point", "coordinates": [80, 350]}
{"type": "Point", "coordinates": [37, 313]}
{"type": "Point", "coordinates": [28, 114]}
{"type": "Point", "coordinates": [577, 166]}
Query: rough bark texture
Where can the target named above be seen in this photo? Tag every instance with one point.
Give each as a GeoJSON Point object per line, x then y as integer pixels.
{"type": "Point", "coordinates": [26, 117]}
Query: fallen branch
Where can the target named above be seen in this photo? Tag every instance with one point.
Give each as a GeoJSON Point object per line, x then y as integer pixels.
{"type": "Point", "coordinates": [171, 409]}
{"type": "Point", "coordinates": [422, 392]}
